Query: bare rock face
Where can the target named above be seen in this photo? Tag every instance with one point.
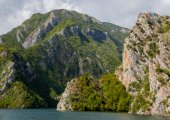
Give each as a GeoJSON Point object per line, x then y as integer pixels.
{"type": "Point", "coordinates": [7, 76]}
{"type": "Point", "coordinates": [3, 54]}
{"type": "Point", "coordinates": [145, 70]}
{"type": "Point", "coordinates": [64, 103]}
{"type": "Point", "coordinates": [40, 32]}
{"type": "Point", "coordinates": [1, 41]}
{"type": "Point", "coordinates": [11, 69]}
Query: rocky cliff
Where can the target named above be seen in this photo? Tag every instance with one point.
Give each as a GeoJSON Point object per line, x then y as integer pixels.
{"type": "Point", "coordinates": [15, 73]}
{"type": "Point", "coordinates": [65, 99]}
{"type": "Point", "coordinates": [54, 48]}
{"type": "Point", "coordinates": [145, 70]}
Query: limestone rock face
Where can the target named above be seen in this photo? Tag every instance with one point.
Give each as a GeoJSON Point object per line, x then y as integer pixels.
{"type": "Point", "coordinates": [64, 103]}
{"type": "Point", "coordinates": [7, 77]}
{"type": "Point", "coordinates": [13, 68]}
{"type": "Point", "coordinates": [40, 32]}
{"type": "Point", "coordinates": [145, 70]}
{"type": "Point", "coordinates": [0, 41]}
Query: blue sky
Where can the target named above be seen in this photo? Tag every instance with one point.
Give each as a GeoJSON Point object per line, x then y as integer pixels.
{"type": "Point", "coordinates": [120, 12]}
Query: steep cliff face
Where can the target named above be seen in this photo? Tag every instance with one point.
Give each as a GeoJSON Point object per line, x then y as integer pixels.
{"type": "Point", "coordinates": [59, 46]}
{"type": "Point", "coordinates": [15, 73]}
{"type": "Point", "coordinates": [145, 70]}
{"type": "Point", "coordinates": [65, 99]}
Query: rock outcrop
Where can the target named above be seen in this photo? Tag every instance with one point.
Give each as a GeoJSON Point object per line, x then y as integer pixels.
{"type": "Point", "coordinates": [39, 34]}
{"type": "Point", "coordinates": [65, 99]}
{"type": "Point", "coordinates": [0, 41]}
{"type": "Point", "coordinates": [11, 68]}
{"type": "Point", "coordinates": [145, 70]}
{"type": "Point", "coordinates": [7, 76]}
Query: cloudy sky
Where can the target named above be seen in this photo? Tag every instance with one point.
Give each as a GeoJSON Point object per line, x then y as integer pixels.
{"type": "Point", "coordinates": [120, 12]}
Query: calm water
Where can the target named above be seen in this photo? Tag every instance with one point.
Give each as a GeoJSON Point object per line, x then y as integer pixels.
{"type": "Point", "coordinates": [51, 114]}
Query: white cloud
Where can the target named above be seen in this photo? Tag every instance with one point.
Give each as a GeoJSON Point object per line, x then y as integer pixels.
{"type": "Point", "coordinates": [166, 2]}
{"type": "Point", "coordinates": [121, 12]}
{"type": "Point", "coordinates": [59, 4]}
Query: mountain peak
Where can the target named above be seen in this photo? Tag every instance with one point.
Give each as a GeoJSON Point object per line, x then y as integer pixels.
{"type": "Point", "coordinates": [58, 46]}
{"type": "Point", "coordinates": [150, 22]}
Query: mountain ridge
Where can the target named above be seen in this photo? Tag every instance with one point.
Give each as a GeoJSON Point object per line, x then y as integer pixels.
{"type": "Point", "coordinates": [58, 46]}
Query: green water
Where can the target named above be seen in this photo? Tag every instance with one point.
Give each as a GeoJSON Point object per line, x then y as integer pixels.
{"type": "Point", "coordinates": [51, 114]}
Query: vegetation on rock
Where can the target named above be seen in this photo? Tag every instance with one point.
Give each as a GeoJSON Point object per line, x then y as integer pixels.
{"type": "Point", "coordinates": [104, 94]}
{"type": "Point", "coordinates": [53, 48]}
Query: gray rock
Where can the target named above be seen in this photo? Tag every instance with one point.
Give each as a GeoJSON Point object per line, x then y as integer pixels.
{"type": "Point", "coordinates": [40, 32]}
{"type": "Point", "coordinates": [142, 62]}
{"type": "Point", "coordinates": [64, 103]}
{"type": "Point", "coordinates": [3, 54]}
{"type": "Point", "coordinates": [8, 76]}
{"type": "Point", "coordinates": [1, 41]}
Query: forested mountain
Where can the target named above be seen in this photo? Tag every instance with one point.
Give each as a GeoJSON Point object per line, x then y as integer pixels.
{"type": "Point", "coordinates": [40, 56]}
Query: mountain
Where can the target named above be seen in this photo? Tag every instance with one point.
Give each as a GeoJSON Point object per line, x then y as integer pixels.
{"type": "Point", "coordinates": [40, 56]}
{"type": "Point", "coordinates": [145, 70]}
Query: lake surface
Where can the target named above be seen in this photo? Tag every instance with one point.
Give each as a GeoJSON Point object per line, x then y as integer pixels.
{"type": "Point", "coordinates": [51, 114]}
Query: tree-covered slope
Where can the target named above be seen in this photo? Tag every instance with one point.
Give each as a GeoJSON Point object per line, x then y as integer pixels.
{"type": "Point", "coordinates": [58, 46]}
{"type": "Point", "coordinates": [85, 93]}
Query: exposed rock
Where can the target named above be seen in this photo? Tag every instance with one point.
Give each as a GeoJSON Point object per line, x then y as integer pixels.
{"type": "Point", "coordinates": [81, 71]}
{"type": "Point", "coordinates": [95, 20]}
{"type": "Point", "coordinates": [123, 30]}
{"type": "Point", "coordinates": [10, 71]}
{"type": "Point", "coordinates": [96, 34]}
{"type": "Point", "coordinates": [1, 40]}
{"type": "Point", "coordinates": [64, 103]}
{"type": "Point", "coordinates": [73, 30]}
{"type": "Point", "coordinates": [24, 68]}
{"type": "Point", "coordinates": [3, 54]}
{"type": "Point", "coordinates": [7, 77]}
{"type": "Point", "coordinates": [145, 70]}
{"type": "Point", "coordinates": [40, 32]}
{"type": "Point", "coordinates": [19, 35]}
